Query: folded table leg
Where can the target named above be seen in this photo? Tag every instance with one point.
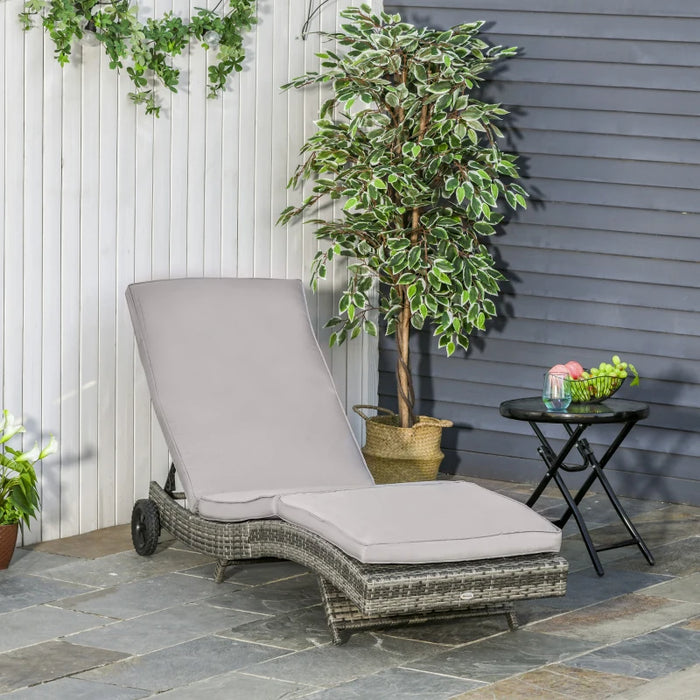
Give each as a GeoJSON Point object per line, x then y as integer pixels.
{"type": "Point", "coordinates": [555, 462]}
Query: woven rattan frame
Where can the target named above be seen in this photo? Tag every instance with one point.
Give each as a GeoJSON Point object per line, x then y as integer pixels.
{"type": "Point", "coordinates": [360, 596]}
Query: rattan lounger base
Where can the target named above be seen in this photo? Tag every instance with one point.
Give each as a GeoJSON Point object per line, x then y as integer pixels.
{"type": "Point", "coordinates": [360, 596]}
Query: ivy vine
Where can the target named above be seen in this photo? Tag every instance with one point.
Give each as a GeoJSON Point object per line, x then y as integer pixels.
{"type": "Point", "coordinates": [147, 48]}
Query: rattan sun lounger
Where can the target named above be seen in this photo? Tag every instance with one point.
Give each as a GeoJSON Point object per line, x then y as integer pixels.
{"type": "Point", "coordinates": [269, 467]}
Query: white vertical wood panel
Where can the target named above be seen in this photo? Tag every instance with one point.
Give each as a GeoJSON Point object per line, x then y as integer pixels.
{"type": "Point", "coordinates": [262, 172]}
{"type": "Point", "coordinates": [96, 195]}
{"type": "Point", "coordinates": [195, 91]}
{"type": "Point", "coordinates": [213, 190]}
{"type": "Point", "coordinates": [3, 174]}
{"type": "Point", "coordinates": [51, 289]}
{"type": "Point", "coordinates": [279, 156]}
{"type": "Point", "coordinates": [145, 159]}
{"type": "Point", "coordinates": [33, 251]}
{"type": "Point", "coordinates": [89, 282]}
{"type": "Point", "coordinates": [107, 301]}
{"type": "Point", "coordinates": [125, 399]}
{"type": "Point", "coordinates": [69, 431]}
{"type": "Point", "coordinates": [13, 214]}
{"type": "Point", "coordinates": [230, 174]}
{"type": "Point", "coordinates": [247, 158]}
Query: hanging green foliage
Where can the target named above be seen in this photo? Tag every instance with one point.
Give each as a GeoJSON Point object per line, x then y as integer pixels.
{"type": "Point", "coordinates": [146, 48]}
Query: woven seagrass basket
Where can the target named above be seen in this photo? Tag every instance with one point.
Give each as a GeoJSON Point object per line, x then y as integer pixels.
{"type": "Point", "coordinates": [395, 454]}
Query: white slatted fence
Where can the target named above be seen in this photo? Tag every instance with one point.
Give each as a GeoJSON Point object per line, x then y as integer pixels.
{"type": "Point", "coordinates": [95, 195]}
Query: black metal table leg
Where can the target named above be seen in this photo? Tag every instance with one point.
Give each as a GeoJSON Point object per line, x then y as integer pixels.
{"type": "Point", "coordinates": [589, 459]}
{"type": "Point", "coordinates": [554, 463]}
{"type": "Point", "coordinates": [576, 419]}
{"type": "Point", "coordinates": [597, 467]}
{"type": "Point", "coordinates": [622, 514]}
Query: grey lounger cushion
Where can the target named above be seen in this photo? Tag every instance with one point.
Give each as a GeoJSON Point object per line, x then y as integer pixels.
{"type": "Point", "coordinates": [242, 392]}
{"type": "Point", "coordinates": [422, 522]}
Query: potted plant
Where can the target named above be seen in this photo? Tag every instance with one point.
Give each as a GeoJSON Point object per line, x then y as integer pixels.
{"type": "Point", "coordinates": [19, 497]}
{"type": "Point", "coordinates": [412, 155]}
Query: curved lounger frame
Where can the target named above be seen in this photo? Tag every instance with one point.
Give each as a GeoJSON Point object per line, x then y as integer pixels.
{"type": "Point", "coordinates": [360, 596]}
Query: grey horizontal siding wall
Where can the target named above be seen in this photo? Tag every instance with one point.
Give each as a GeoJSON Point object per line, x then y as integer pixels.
{"type": "Point", "coordinates": [605, 102]}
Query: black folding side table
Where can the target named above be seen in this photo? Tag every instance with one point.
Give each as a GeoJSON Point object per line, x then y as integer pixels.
{"type": "Point", "coordinates": [576, 419]}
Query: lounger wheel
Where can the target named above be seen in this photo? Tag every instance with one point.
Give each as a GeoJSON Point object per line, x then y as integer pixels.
{"type": "Point", "coordinates": [145, 527]}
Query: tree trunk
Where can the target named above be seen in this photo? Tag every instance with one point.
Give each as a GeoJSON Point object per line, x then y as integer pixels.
{"type": "Point", "coordinates": [404, 381]}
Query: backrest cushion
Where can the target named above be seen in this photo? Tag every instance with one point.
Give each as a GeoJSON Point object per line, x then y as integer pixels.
{"type": "Point", "coordinates": [241, 389]}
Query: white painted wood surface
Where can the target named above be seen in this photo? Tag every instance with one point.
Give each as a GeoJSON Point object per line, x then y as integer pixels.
{"type": "Point", "coordinates": [95, 195]}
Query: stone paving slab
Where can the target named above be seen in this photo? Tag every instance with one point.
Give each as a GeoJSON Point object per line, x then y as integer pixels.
{"type": "Point", "coordinates": [677, 558]}
{"type": "Point", "coordinates": [693, 624]}
{"type": "Point", "coordinates": [399, 683]}
{"type": "Point", "coordinates": [20, 629]}
{"type": "Point", "coordinates": [28, 561]}
{"type": "Point", "coordinates": [22, 591]}
{"type": "Point", "coordinates": [76, 689]}
{"type": "Point", "coordinates": [649, 656]}
{"type": "Point", "coordinates": [681, 685]}
{"type": "Point", "coordinates": [271, 598]}
{"type": "Point", "coordinates": [597, 511]}
{"type": "Point", "coordinates": [142, 597]}
{"type": "Point", "coordinates": [686, 588]}
{"type": "Point", "coordinates": [555, 682]}
{"type": "Point", "coordinates": [181, 664]}
{"type": "Point", "coordinates": [506, 655]}
{"type": "Point", "coordinates": [657, 527]}
{"type": "Point", "coordinates": [330, 665]}
{"type": "Point", "coordinates": [587, 588]}
{"type": "Point", "coordinates": [574, 551]}
{"type": "Point", "coordinates": [619, 618]}
{"type": "Point", "coordinates": [253, 573]}
{"type": "Point", "coordinates": [234, 685]}
{"type": "Point", "coordinates": [297, 630]}
{"type": "Point", "coordinates": [91, 545]}
{"type": "Point", "coordinates": [163, 629]}
{"type": "Point", "coordinates": [47, 661]}
{"type": "Point", "coordinates": [455, 632]}
{"type": "Point", "coordinates": [126, 567]}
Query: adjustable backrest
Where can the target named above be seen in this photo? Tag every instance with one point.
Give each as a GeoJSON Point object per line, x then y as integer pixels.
{"type": "Point", "coordinates": [241, 388]}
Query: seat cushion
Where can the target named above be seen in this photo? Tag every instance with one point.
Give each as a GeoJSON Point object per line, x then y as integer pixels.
{"type": "Point", "coordinates": [422, 522]}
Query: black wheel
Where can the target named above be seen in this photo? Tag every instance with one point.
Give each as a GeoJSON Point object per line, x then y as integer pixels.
{"type": "Point", "coordinates": [145, 527]}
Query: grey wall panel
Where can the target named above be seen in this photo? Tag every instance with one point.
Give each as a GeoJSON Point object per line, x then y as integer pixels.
{"type": "Point", "coordinates": [669, 8]}
{"type": "Point", "coordinates": [605, 105]}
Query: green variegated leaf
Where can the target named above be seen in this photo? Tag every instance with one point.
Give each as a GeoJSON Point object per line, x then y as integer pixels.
{"type": "Point", "coordinates": [489, 307]}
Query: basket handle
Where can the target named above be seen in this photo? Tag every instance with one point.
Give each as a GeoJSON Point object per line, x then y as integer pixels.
{"type": "Point", "coordinates": [378, 409]}
{"type": "Point", "coordinates": [444, 423]}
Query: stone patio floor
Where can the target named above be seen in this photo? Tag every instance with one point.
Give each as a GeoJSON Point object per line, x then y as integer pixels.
{"type": "Point", "coordinates": [86, 617]}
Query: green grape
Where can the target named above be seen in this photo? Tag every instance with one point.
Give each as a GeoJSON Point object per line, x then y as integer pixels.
{"type": "Point", "coordinates": [616, 359]}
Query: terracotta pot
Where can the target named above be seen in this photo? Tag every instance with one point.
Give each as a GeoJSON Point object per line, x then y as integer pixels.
{"type": "Point", "coordinates": [8, 539]}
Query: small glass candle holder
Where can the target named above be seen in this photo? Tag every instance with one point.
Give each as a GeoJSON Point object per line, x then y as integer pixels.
{"type": "Point", "coordinates": [556, 392]}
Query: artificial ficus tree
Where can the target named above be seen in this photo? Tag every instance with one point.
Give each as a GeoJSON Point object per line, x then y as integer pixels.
{"type": "Point", "coordinates": [413, 157]}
